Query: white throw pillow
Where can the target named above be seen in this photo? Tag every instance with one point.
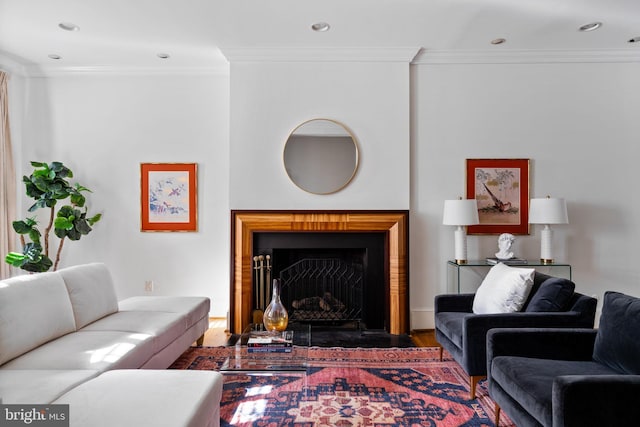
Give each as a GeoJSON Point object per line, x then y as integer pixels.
{"type": "Point", "coordinates": [504, 290]}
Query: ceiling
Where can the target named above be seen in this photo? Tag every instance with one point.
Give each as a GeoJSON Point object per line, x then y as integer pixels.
{"type": "Point", "coordinates": [196, 34]}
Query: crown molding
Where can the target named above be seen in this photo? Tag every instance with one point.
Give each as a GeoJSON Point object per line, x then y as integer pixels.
{"type": "Point", "coordinates": [11, 65]}
{"type": "Point", "coordinates": [526, 56]}
{"type": "Point", "coordinates": [321, 54]}
{"type": "Point", "coordinates": [412, 55]}
{"type": "Point", "coordinates": [57, 71]}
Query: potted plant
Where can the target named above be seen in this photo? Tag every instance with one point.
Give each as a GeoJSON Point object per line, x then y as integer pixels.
{"type": "Point", "coordinates": [48, 185]}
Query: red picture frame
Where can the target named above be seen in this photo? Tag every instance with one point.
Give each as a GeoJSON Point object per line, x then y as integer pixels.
{"type": "Point", "coordinates": [168, 196]}
{"type": "Point", "coordinates": [501, 189]}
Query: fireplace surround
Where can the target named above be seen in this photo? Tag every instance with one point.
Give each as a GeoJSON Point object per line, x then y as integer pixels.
{"type": "Point", "coordinates": [394, 225]}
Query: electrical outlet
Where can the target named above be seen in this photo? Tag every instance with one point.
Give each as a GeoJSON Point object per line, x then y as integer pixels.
{"type": "Point", "coordinates": [148, 285]}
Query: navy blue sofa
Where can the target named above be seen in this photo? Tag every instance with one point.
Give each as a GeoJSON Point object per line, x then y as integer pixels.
{"type": "Point", "coordinates": [570, 377]}
{"type": "Point", "coordinates": [464, 334]}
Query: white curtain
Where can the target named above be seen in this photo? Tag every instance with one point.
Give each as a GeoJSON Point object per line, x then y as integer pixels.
{"type": "Point", "coordinates": [8, 181]}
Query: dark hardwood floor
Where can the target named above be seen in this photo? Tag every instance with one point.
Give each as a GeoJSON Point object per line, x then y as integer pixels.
{"type": "Point", "coordinates": [424, 338]}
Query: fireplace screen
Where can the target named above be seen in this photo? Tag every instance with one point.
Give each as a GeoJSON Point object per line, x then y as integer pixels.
{"type": "Point", "coordinates": [323, 289]}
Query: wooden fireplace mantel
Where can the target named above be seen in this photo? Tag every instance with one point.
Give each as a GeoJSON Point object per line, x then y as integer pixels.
{"type": "Point", "coordinates": [394, 223]}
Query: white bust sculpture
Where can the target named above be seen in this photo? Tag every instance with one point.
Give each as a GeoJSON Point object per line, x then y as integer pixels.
{"type": "Point", "coordinates": [504, 246]}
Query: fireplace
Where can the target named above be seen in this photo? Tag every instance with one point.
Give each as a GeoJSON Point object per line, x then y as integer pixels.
{"type": "Point", "coordinates": [329, 277]}
{"type": "Point", "coordinates": [324, 291]}
{"type": "Point", "coordinates": [312, 230]}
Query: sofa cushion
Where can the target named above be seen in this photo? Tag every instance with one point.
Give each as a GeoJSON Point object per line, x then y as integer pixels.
{"type": "Point", "coordinates": [618, 340]}
{"type": "Point", "coordinates": [34, 309]}
{"type": "Point", "coordinates": [529, 381]}
{"type": "Point", "coordinates": [91, 292]}
{"type": "Point", "coordinates": [552, 295]}
{"type": "Point", "coordinates": [194, 308]}
{"type": "Point", "coordinates": [163, 327]}
{"type": "Point", "coordinates": [503, 290]}
{"type": "Point", "coordinates": [94, 350]}
{"type": "Point", "coordinates": [39, 386]}
{"type": "Point", "coordinates": [450, 323]}
{"type": "Point", "coordinates": [134, 398]}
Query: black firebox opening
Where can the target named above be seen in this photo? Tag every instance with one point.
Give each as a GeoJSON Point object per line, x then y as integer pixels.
{"type": "Point", "coordinates": [331, 279]}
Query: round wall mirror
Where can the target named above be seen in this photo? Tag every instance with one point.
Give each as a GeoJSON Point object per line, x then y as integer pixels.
{"type": "Point", "coordinates": [321, 156]}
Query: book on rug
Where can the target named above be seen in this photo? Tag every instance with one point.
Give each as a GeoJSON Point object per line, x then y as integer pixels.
{"type": "Point", "coordinates": [509, 261]}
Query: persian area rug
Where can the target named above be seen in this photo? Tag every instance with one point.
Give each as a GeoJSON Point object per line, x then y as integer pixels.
{"type": "Point", "coordinates": [351, 387]}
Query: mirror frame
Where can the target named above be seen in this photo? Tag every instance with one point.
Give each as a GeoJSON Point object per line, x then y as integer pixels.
{"type": "Point", "coordinates": [347, 133]}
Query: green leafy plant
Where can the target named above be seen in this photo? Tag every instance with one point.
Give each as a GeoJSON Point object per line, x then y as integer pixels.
{"type": "Point", "coordinates": [48, 185]}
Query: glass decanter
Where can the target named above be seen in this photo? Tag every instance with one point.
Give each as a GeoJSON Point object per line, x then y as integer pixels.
{"type": "Point", "coordinates": [275, 316]}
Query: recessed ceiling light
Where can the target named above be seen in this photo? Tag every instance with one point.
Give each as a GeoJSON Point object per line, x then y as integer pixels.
{"type": "Point", "coordinates": [54, 56]}
{"type": "Point", "coordinates": [634, 39]}
{"type": "Point", "coordinates": [498, 41]}
{"type": "Point", "coordinates": [164, 55]}
{"type": "Point", "coordinates": [590, 26]}
{"type": "Point", "coordinates": [69, 26]}
{"type": "Point", "coordinates": [320, 27]}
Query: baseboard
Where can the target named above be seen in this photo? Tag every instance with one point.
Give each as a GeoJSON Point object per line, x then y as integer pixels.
{"type": "Point", "coordinates": [422, 319]}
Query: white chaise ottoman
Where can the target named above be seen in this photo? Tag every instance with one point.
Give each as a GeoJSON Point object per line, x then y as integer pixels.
{"type": "Point", "coordinates": [139, 398]}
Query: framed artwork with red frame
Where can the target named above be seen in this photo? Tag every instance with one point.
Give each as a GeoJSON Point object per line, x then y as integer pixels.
{"type": "Point", "coordinates": [168, 196]}
{"type": "Point", "coordinates": [501, 189]}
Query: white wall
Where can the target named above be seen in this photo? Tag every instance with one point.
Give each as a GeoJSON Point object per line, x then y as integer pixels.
{"type": "Point", "coordinates": [268, 100]}
{"type": "Point", "coordinates": [578, 123]}
{"type": "Point", "coordinates": [103, 127]}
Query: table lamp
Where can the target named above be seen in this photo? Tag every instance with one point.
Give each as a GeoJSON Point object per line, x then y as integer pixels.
{"type": "Point", "coordinates": [460, 213]}
{"type": "Point", "coordinates": [547, 211]}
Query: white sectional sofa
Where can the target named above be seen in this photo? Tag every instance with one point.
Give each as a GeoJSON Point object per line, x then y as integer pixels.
{"type": "Point", "coordinates": [65, 338]}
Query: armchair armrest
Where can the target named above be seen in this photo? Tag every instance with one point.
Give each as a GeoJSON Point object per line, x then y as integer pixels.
{"type": "Point", "coordinates": [454, 302]}
{"type": "Point", "coordinates": [541, 343]}
{"type": "Point", "coordinates": [585, 307]}
{"type": "Point", "coordinates": [603, 400]}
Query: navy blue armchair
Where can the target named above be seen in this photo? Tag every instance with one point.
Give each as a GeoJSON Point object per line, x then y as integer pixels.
{"type": "Point", "coordinates": [463, 334]}
{"type": "Point", "coordinates": [570, 377]}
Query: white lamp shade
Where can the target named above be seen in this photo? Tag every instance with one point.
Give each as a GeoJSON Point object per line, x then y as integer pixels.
{"type": "Point", "coordinates": [548, 211]}
{"type": "Point", "coordinates": [460, 212]}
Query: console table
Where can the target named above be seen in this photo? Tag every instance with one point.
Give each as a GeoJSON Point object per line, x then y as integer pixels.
{"type": "Point", "coordinates": [466, 278]}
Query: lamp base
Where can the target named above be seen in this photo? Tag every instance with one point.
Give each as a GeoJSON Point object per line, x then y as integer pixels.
{"type": "Point", "coordinates": [460, 245]}
{"type": "Point", "coordinates": [546, 256]}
